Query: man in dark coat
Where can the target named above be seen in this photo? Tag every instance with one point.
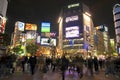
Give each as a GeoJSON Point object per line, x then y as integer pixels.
{"type": "Point", "coordinates": [95, 61]}
{"type": "Point", "coordinates": [64, 66]}
{"type": "Point", "coordinates": [32, 62]}
{"type": "Point", "coordinates": [90, 65]}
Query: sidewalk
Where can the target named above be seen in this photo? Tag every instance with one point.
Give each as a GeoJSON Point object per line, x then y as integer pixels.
{"type": "Point", "coordinates": [57, 76]}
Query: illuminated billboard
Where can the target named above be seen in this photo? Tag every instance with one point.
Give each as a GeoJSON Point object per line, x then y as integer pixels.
{"type": "Point", "coordinates": [2, 24]}
{"type": "Point", "coordinates": [72, 32]}
{"type": "Point", "coordinates": [30, 26]}
{"type": "Point", "coordinates": [31, 35]}
{"type": "Point", "coordinates": [44, 41]}
{"type": "Point", "coordinates": [119, 50]}
{"type": "Point", "coordinates": [38, 39]}
{"type": "Point", "coordinates": [20, 25]}
{"type": "Point", "coordinates": [72, 26]}
{"type": "Point", "coordinates": [45, 27]}
{"type": "Point", "coordinates": [71, 18]}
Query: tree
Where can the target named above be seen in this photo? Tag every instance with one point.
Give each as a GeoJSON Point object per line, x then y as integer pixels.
{"type": "Point", "coordinates": [18, 50]}
{"type": "Point", "coordinates": [31, 48]}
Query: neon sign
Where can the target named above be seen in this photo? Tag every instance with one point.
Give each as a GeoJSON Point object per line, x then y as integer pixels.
{"type": "Point", "coordinates": [52, 34]}
{"type": "Point", "coordinates": [73, 5]}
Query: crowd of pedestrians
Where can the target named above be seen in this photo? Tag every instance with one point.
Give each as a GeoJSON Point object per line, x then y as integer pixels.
{"type": "Point", "coordinates": [7, 64]}
{"type": "Point", "coordinates": [83, 66]}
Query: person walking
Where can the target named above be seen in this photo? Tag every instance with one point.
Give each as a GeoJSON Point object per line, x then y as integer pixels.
{"type": "Point", "coordinates": [90, 65]}
{"type": "Point", "coordinates": [32, 62]}
{"type": "Point", "coordinates": [109, 66]}
{"type": "Point", "coordinates": [95, 61]}
{"type": "Point", "coordinates": [64, 66]}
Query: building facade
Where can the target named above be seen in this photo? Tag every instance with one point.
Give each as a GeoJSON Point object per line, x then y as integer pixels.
{"type": "Point", "coordinates": [116, 15]}
{"type": "Point", "coordinates": [3, 10]}
{"type": "Point", "coordinates": [75, 28]}
{"type": "Point", "coordinates": [3, 7]}
{"type": "Point", "coordinates": [101, 39]}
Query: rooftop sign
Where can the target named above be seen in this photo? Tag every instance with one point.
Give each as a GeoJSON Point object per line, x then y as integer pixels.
{"type": "Point", "coordinates": [73, 5]}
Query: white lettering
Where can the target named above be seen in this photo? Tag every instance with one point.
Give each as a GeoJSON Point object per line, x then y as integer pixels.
{"type": "Point", "coordinates": [72, 18]}
{"type": "Point", "coordinates": [73, 5]}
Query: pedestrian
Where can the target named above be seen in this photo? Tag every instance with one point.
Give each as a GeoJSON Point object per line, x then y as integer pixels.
{"type": "Point", "coordinates": [22, 59]}
{"type": "Point", "coordinates": [95, 61]}
{"type": "Point", "coordinates": [90, 65]}
{"type": "Point", "coordinates": [64, 66]}
{"type": "Point", "coordinates": [110, 68]}
{"type": "Point", "coordinates": [100, 63]}
{"type": "Point", "coordinates": [79, 65]}
{"type": "Point", "coordinates": [53, 64]}
{"type": "Point", "coordinates": [32, 61]}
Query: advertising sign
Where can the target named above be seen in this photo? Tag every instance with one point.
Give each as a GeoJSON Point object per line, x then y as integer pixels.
{"type": "Point", "coordinates": [72, 31]}
{"type": "Point", "coordinates": [20, 25]}
{"type": "Point", "coordinates": [2, 24]}
{"type": "Point", "coordinates": [52, 42]}
{"type": "Point", "coordinates": [31, 35]}
{"type": "Point", "coordinates": [53, 34]}
{"type": "Point", "coordinates": [30, 26]}
{"type": "Point", "coordinates": [119, 50]}
{"type": "Point", "coordinates": [72, 26]}
{"type": "Point", "coordinates": [71, 18]}
{"type": "Point", "coordinates": [45, 27]}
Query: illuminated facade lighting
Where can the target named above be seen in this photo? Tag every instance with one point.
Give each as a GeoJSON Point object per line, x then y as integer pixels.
{"type": "Point", "coordinates": [75, 28]}
{"type": "Point", "coordinates": [87, 13]}
{"type": "Point", "coordinates": [73, 5]}
{"type": "Point", "coordinates": [59, 19]}
{"type": "Point", "coordinates": [116, 15]}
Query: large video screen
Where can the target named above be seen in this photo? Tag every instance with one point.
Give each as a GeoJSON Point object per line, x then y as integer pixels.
{"type": "Point", "coordinates": [45, 27]}
{"type": "Point", "coordinates": [44, 41]}
{"type": "Point", "coordinates": [30, 26]}
{"type": "Point", "coordinates": [72, 26]}
{"type": "Point", "coordinates": [2, 24]}
{"type": "Point", "coordinates": [21, 26]}
{"type": "Point", "coordinates": [72, 32]}
{"type": "Point", "coordinates": [31, 35]}
{"type": "Point", "coordinates": [119, 50]}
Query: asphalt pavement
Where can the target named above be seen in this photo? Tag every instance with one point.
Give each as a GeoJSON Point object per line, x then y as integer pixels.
{"type": "Point", "coordinates": [18, 75]}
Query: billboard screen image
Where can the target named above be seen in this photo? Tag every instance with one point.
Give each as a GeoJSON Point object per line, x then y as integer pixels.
{"type": "Point", "coordinates": [72, 26]}
{"type": "Point", "coordinates": [45, 27]}
{"type": "Point", "coordinates": [44, 41]}
{"type": "Point", "coordinates": [30, 26]}
{"type": "Point", "coordinates": [2, 24]}
{"type": "Point", "coordinates": [21, 26]}
{"type": "Point", "coordinates": [72, 32]}
{"type": "Point", "coordinates": [31, 35]}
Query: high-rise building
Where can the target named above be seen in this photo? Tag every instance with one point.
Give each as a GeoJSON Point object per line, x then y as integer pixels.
{"type": "Point", "coordinates": [3, 7]}
{"type": "Point", "coordinates": [116, 14]}
{"type": "Point", "coordinates": [101, 38]}
{"type": "Point", "coordinates": [112, 45]}
{"type": "Point", "coordinates": [75, 28]}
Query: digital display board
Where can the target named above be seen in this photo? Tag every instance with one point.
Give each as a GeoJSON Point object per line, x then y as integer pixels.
{"type": "Point", "coordinates": [29, 26]}
{"type": "Point", "coordinates": [2, 24]}
{"type": "Point", "coordinates": [72, 26]}
{"type": "Point", "coordinates": [72, 31]}
{"type": "Point", "coordinates": [119, 50]}
{"type": "Point", "coordinates": [20, 25]}
{"type": "Point", "coordinates": [45, 27]}
{"type": "Point", "coordinates": [44, 41]}
{"type": "Point", "coordinates": [31, 35]}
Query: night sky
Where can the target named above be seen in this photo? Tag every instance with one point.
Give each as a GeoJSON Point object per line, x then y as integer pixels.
{"type": "Point", "coordinates": [36, 11]}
